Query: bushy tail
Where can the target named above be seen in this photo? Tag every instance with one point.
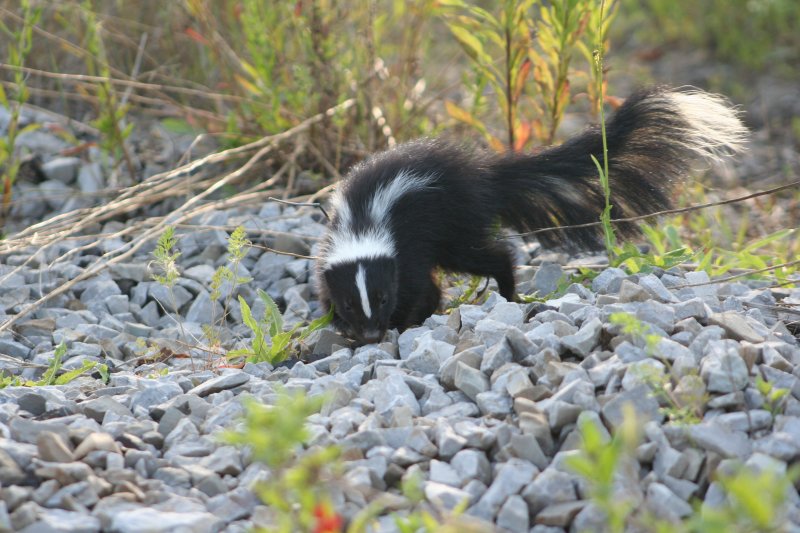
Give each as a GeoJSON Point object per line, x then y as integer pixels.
{"type": "Point", "coordinates": [653, 139]}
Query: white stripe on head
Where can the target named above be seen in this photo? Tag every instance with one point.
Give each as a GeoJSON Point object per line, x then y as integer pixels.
{"type": "Point", "coordinates": [347, 247]}
{"type": "Point", "coordinates": [361, 284]}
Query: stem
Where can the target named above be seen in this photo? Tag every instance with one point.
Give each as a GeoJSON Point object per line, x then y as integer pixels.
{"type": "Point", "coordinates": [509, 91]}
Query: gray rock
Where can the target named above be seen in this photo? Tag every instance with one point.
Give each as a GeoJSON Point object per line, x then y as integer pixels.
{"type": "Point", "coordinates": [692, 308]}
{"type": "Point", "coordinates": [224, 382]}
{"type": "Point", "coordinates": [60, 520]}
{"type": "Point", "coordinates": [549, 487]}
{"type": "Point", "coordinates": [608, 281]}
{"type": "Point", "coordinates": [202, 309]}
{"type": "Point", "coordinates": [235, 505]}
{"type": "Point", "coordinates": [723, 368]}
{"type": "Point", "coordinates": [149, 520]}
{"type": "Point", "coordinates": [10, 471]}
{"type": "Point", "coordinates": [393, 392]}
{"type": "Point", "coordinates": [511, 477]}
{"type": "Point", "coordinates": [656, 288]}
{"type": "Point", "coordinates": [444, 496]}
{"type": "Point", "coordinates": [325, 342]}
{"type": "Point", "coordinates": [441, 472]}
{"type": "Point", "coordinates": [472, 464]}
{"type": "Point", "coordinates": [471, 357]}
{"type": "Point", "coordinates": [225, 460]}
{"type": "Point", "coordinates": [154, 393]}
{"type": "Point", "coordinates": [665, 504]}
{"type": "Point", "coordinates": [631, 292]}
{"type": "Point", "coordinates": [168, 298]}
{"type": "Point", "coordinates": [90, 178]}
{"type": "Point", "coordinates": [642, 401]}
{"type": "Point", "coordinates": [704, 289]}
{"type": "Point", "coordinates": [96, 441]}
{"type": "Point", "coordinates": [98, 408]}
{"type": "Point", "coordinates": [559, 514]}
{"type": "Point", "coordinates": [508, 313]}
{"type": "Point", "coordinates": [561, 413]}
{"type": "Point", "coordinates": [658, 314]}
{"type": "Point", "coordinates": [407, 339]}
{"type": "Point", "coordinates": [780, 445]}
{"type": "Point", "coordinates": [137, 272]}
{"type": "Point", "coordinates": [590, 518]}
{"type": "Point", "coordinates": [174, 477]}
{"type": "Point", "coordinates": [721, 440]}
{"type": "Point", "coordinates": [99, 289]}
{"type": "Point", "coordinates": [470, 381]}
{"type": "Point", "coordinates": [494, 404]}
{"type": "Point", "coordinates": [582, 342]}
{"type": "Point", "coordinates": [546, 279]}
{"type": "Point", "coordinates": [735, 325]}
{"type": "Point", "coordinates": [53, 447]}
{"type": "Point", "coordinates": [14, 348]}
{"type": "Point", "coordinates": [478, 436]}
{"type": "Point", "coordinates": [63, 169]}
{"type": "Point", "coordinates": [448, 441]}
{"type": "Point", "coordinates": [496, 356]}
{"type": "Point", "coordinates": [513, 515]}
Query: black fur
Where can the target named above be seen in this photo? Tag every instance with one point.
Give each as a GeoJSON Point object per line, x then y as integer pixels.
{"type": "Point", "coordinates": [452, 223]}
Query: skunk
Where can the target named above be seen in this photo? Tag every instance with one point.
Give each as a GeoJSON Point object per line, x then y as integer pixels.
{"type": "Point", "coordinates": [428, 203]}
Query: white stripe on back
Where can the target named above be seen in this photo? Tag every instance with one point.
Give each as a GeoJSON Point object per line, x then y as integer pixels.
{"type": "Point", "coordinates": [386, 196]}
{"type": "Point", "coordinates": [361, 283]}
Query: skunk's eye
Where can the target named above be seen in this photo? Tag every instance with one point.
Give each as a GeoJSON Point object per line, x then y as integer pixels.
{"type": "Point", "coordinates": [384, 299]}
{"type": "Point", "coordinates": [348, 306]}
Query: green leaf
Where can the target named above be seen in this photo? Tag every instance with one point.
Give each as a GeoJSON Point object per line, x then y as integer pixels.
{"type": "Point", "coordinates": [772, 237]}
{"type": "Point", "coordinates": [318, 323]}
{"type": "Point", "coordinates": [247, 316]}
{"type": "Point", "coordinates": [49, 376]}
{"type": "Point", "coordinates": [66, 377]}
{"type": "Point", "coordinates": [471, 44]}
{"type": "Point", "coordinates": [272, 315]}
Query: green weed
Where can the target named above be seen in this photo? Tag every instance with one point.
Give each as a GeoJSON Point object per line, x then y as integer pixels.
{"type": "Point", "coordinates": [52, 375]}
{"type": "Point", "coordinates": [298, 489]}
{"type": "Point", "coordinates": [165, 258]}
{"type": "Point", "coordinates": [237, 250]}
{"type": "Point", "coordinates": [774, 397]}
{"type": "Point", "coordinates": [270, 342]}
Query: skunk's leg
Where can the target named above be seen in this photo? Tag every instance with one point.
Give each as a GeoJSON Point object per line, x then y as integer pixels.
{"type": "Point", "coordinates": [491, 259]}
{"type": "Point", "coordinates": [427, 304]}
{"type": "Point", "coordinates": [418, 295]}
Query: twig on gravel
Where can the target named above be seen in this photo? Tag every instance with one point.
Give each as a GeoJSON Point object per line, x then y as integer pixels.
{"type": "Point", "coordinates": [281, 252]}
{"type": "Point", "coordinates": [302, 204]}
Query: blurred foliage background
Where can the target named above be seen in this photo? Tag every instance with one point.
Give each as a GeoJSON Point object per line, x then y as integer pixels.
{"type": "Point", "coordinates": [252, 67]}
{"type": "Point", "coordinates": [507, 74]}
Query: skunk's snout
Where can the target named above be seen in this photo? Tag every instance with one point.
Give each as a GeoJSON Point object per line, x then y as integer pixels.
{"type": "Point", "coordinates": [372, 335]}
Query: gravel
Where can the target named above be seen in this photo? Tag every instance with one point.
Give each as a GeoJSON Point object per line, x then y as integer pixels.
{"type": "Point", "coordinates": [482, 403]}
